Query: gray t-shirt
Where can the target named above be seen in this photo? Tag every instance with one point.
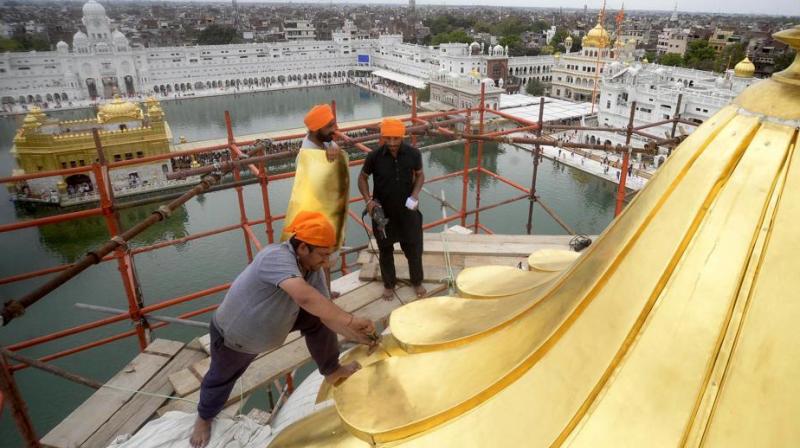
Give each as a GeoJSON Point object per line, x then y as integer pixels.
{"type": "Point", "coordinates": [256, 314]}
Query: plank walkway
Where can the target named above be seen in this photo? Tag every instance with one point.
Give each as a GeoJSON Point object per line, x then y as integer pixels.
{"type": "Point", "coordinates": [170, 368]}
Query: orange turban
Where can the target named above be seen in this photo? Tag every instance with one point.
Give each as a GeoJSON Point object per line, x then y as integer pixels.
{"type": "Point", "coordinates": [318, 117]}
{"type": "Point", "coordinates": [392, 127]}
{"type": "Point", "coordinates": [313, 228]}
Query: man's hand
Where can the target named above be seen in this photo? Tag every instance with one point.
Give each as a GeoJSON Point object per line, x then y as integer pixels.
{"type": "Point", "coordinates": [371, 204]}
{"type": "Point", "coordinates": [332, 152]}
{"type": "Point", "coordinates": [356, 329]}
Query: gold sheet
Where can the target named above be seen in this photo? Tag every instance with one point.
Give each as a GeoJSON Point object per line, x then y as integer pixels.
{"type": "Point", "coordinates": [552, 260]}
{"type": "Point", "coordinates": [676, 328]}
{"type": "Point", "coordinates": [320, 186]}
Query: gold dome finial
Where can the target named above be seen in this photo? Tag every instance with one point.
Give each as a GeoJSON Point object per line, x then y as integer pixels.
{"type": "Point", "coordinates": [744, 69]}
{"type": "Point", "coordinates": [597, 37]}
{"type": "Point", "coordinates": [790, 37]}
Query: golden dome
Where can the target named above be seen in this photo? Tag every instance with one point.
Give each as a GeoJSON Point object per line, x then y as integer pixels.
{"type": "Point", "coordinates": [645, 61]}
{"type": "Point", "coordinates": [744, 69]}
{"type": "Point", "coordinates": [154, 110]}
{"type": "Point", "coordinates": [119, 110]}
{"type": "Point", "coordinates": [474, 73]}
{"type": "Point", "coordinates": [597, 37]}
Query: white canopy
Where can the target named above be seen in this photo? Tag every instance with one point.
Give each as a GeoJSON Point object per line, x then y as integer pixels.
{"type": "Point", "coordinates": [401, 78]}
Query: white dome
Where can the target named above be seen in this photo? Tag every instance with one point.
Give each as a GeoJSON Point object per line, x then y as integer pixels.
{"type": "Point", "coordinates": [93, 8]}
{"type": "Point", "coordinates": [119, 37]}
{"type": "Point", "coordinates": [498, 48]}
{"type": "Point", "coordinates": [80, 38]}
{"type": "Point", "coordinates": [474, 45]}
{"type": "Point", "coordinates": [488, 81]}
{"type": "Point", "coordinates": [62, 45]}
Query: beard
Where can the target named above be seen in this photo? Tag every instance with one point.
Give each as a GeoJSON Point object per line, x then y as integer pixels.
{"type": "Point", "coordinates": [325, 138]}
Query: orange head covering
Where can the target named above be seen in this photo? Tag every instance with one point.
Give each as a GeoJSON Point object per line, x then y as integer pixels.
{"type": "Point", "coordinates": [392, 127]}
{"type": "Point", "coordinates": [313, 228]}
{"type": "Point", "coordinates": [318, 117]}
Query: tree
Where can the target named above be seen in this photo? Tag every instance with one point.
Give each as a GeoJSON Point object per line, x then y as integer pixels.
{"type": "Point", "coordinates": [651, 56]}
{"type": "Point", "coordinates": [784, 60]}
{"type": "Point", "coordinates": [424, 94]}
{"type": "Point", "coordinates": [558, 38]}
{"type": "Point", "coordinates": [515, 45]}
{"type": "Point", "coordinates": [453, 36]}
{"type": "Point", "coordinates": [671, 59]}
{"type": "Point", "coordinates": [729, 57]}
{"type": "Point", "coordinates": [218, 35]}
{"type": "Point", "coordinates": [534, 87]}
{"type": "Point", "coordinates": [699, 55]}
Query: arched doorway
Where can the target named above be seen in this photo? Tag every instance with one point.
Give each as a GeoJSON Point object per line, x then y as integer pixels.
{"type": "Point", "coordinates": [129, 85]}
{"type": "Point", "coordinates": [79, 184]}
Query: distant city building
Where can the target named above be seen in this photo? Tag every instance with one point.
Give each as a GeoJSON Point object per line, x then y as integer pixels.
{"type": "Point", "coordinates": [672, 40]}
{"type": "Point", "coordinates": [299, 30]}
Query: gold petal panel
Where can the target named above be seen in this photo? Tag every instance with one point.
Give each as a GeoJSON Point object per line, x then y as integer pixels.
{"type": "Point", "coordinates": [321, 186]}
{"type": "Point", "coordinates": [677, 327]}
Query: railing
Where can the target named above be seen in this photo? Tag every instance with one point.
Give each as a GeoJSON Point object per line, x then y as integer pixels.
{"type": "Point", "coordinates": [116, 249]}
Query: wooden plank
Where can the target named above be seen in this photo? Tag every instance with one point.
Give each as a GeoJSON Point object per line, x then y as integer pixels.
{"type": "Point", "coordinates": [497, 260]}
{"type": "Point", "coordinates": [95, 411]}
{"type": "Point", "coordinates": [436, 274]}
{"type": "Point", "coordinates": [347, 283]}
{"type": "Point", "coordinates": [164, 347]}
{"type": "Point", "coordinates": [294, 354]}
{"type": "Point", "coordinates": [431, 258]}
{"type": "Point", "coordinates": [184, 381]}
{"type": "Point", "coordinates": [205, 341]}
{"type": "Point", "coordinates": [136, 412]}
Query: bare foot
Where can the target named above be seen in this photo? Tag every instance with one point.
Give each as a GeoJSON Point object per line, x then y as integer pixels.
{"type": "Point", "coordinates": [201, 433]}
{"type": "Point", "coordinates": [388, 294]}
{"type": "Point", "coordinates": [421, 291]}
{"type": "Point", "coordinates": [342, 373]}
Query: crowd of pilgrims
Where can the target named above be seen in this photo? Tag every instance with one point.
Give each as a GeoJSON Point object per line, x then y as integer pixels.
{"type": "Point", "coordinates": [208, 158]}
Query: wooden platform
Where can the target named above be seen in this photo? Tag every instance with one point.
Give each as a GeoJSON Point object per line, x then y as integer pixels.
{"type": "Point", "coordinates": [169, 368]}
{"type": "Point", "coordinates": [464, 251]}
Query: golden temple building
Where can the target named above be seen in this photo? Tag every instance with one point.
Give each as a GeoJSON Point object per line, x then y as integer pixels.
{"type": "Point", "coordinates": [676, 328]}
{"type": "Point", "coordinates": [127, 131]}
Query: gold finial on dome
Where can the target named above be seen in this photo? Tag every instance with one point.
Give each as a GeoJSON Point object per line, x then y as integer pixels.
{"type": "Point", "coordinates": [790, 37]}
{"type": "Point", "coordinates": [645, 61]}
{"type": "Point", "coordinates": [31, 122]}
{"type": "Point", "coordinates": [154, 110]}
{"type": "Point", "coordinates": [119, 110]}
{"type": "Point", "coordinates": [744, 69]}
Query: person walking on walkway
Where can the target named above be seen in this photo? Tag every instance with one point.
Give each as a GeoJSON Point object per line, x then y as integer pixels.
{"type": "Point", "coordinates": [281, 290]}
{"type": "Point", "coordinates": [397, 177]}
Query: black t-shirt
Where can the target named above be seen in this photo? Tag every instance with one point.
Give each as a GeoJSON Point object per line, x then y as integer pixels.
{"type": "Point", "coordinates": [393, 178]}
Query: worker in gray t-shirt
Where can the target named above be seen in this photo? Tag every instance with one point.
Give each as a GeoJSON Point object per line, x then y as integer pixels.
{"type": "Point", "coordinates": [282, 290]}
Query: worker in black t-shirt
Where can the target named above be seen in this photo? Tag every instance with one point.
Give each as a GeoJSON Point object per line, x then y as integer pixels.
{"type": "Point", "coordinates": [397, 176]}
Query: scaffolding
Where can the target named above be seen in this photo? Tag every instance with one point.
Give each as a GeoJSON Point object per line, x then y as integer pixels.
{"type": "Point", "coordinates": [252, 158]}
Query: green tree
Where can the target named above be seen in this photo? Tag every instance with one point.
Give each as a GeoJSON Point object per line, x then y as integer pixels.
{"type": "Point", "coordinates": [534, 87]}
{"type": "Point", "coordinates": [699, 55]}
{"type": "Point", "coordinates": [453, 36]}
{"type": "Point", "coordinates": [515, 45]}
{"type": "Point", "coordinates": [671, 59]}
{"type": "Point", "coordinates": [9, 45]}
{"type": "Point", "coordinates": [651, 56]}
{"type": "Point", "coordinates": [729, 57]}
{"type": "Point", "coordinates": [218, 35]}
{"type": "Point", "coordinates": [784, 60]}
{"type": "Point", "coordinates": [558, 39]}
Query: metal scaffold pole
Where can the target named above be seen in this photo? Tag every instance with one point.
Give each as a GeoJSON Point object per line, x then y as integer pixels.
{"type": "Point", "coordinates": [623, 175]}
{"type": "Point", "coordinates": [536, 153]}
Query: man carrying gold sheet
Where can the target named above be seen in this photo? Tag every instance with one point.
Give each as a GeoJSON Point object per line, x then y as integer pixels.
{"type": "Point", "coordinates": [322, 180]}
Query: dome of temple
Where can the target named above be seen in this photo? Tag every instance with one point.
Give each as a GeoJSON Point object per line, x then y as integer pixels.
{"type": "Point", "coordinates": [745, 68]}
{"type": "Point", "coordinates": [597, 37]}
{"type": "Point", "coordinates": [80, 38]}
{"type": "Point", "coordinates": [93, 8]}
{"type": "Point", "coordinates": [119, 109]}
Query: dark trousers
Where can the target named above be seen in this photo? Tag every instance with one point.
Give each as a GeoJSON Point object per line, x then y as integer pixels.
{"type": "Point", "coordinates": [413, 253]}
{"type": "Point", "coordinates": [227, 365]}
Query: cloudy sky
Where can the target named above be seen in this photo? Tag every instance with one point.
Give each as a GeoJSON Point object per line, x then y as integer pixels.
{"type": "Point", "coordinates": [771, 7]}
